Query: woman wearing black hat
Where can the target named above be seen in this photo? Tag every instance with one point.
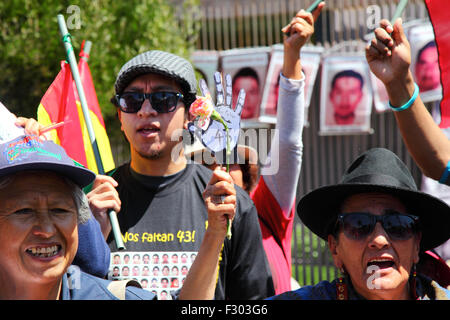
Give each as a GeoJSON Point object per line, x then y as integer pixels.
{"type": "Point", "coordinates": [376, 224]}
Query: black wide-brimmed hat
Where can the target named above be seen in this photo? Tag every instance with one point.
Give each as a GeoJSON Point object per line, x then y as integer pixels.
{"type": "Point", "coordinates": [377, 170]}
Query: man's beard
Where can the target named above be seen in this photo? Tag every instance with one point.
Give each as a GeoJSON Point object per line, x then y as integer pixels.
{"type": "Point", "coordinates": [154, 155]}
{"type": "Point", "coordinates": [150, 155]}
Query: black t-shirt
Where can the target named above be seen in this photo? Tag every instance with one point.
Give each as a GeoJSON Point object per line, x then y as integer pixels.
{"type": "Point", "coordinates": [163, 221]}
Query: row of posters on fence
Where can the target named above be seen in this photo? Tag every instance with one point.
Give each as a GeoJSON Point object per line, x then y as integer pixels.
{"type": "Point", "coordinates": [348, 90]}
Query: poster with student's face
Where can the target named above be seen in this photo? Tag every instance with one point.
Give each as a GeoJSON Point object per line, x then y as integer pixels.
{"type": "Point", "coordinates": [380, 96]}
{"type": "Point", "coordinates": [206, 63]}
{"type": "Point", "coordinates": [269, 100]}
{"type": "Point", "coordinates": [424, 61]}
{"type": "Point", "coordinates": [248, 69]}
{"type": "Point", "coordinates": [345, 96]}
{"type": "Point", "coordinates": [310, 58]}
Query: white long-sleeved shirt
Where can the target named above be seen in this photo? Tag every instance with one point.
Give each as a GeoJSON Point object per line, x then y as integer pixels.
{"type": "Point", "coordinates": [290, 121]}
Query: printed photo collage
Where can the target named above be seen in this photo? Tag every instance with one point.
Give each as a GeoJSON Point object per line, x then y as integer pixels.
{"type": "Point", "coordinates": [348, 89]}
{"type": "Point", "coordinates": [159, 272]}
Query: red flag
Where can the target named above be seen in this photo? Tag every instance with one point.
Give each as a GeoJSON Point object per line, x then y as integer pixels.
{"type": "Point", "coordinates": [61, 103]}
{"type": "Point", "coordinates": [440, 18]}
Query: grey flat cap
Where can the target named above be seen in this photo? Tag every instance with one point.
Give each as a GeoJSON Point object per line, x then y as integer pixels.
{"type": "Point", "coordinates": [163, 63]}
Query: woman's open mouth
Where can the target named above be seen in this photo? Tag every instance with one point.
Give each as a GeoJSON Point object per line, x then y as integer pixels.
{"type": "Point", "coordinates": [381, 263]}
{"type": "Point", "coordinates": [44, 251]}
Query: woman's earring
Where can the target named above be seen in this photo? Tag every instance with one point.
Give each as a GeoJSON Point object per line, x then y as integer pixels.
{"type": "Point", "coordinates": [341, 286]}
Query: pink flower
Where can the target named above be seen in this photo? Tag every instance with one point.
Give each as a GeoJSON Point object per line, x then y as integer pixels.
{"type": "Point", "coordinates": [202, 108]}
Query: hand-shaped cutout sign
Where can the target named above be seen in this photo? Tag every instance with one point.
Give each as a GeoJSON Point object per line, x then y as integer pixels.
{"type": "Point", "coordinates": [212, 122]}
{"type": "Point", "coordinates": [223, 131]}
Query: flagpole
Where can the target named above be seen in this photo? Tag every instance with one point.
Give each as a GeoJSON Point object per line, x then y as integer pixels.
{"type": "Point", "coordinates": [87, 49]}
{"type": "Point", "coordinates": [87, 119]}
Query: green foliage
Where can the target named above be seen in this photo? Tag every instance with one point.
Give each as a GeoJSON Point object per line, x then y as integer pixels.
{"type": "Point", "coordinates": [32, 48]}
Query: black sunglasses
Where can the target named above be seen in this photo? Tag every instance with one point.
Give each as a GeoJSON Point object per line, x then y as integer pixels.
{"type": "Point", "coordinates": [161, 101]}
{"type": "Point", "coordinates": [359, 225]}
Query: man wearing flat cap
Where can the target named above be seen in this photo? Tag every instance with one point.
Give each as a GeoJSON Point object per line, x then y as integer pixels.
{"type": "Point", "coordinates": [160, 199]}
{"type": "Point", "coordinates": [377, 224]}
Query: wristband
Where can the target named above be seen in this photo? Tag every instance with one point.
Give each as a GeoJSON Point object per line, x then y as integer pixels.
{"type": "Point", "coordinates": [445, 174]}
{"type": "Point", "coordinates": [410, 102]}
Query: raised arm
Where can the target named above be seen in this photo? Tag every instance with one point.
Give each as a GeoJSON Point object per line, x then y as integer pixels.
{"type": "Point", "coordinates": [220, 201]}
{"type": "Point", "coordinates": [291, 112]}
{"type": "Point", "coordinates": [389, 58]}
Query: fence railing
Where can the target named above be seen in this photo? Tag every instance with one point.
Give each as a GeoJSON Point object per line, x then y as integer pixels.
{"type": "Point", "coordinates": [228, 24]}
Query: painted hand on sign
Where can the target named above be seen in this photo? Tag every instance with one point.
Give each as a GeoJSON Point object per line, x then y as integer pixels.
{"type": "Point", "coordinates": [218, 127]}
{"type": "Point", "coordinates": [209, 127]}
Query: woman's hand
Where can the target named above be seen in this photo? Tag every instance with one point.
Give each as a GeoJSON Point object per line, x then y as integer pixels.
{"type": "Point", "coordinates": [389, 53]}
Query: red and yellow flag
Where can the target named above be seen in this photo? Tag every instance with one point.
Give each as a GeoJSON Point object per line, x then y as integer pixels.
{"type": "Point", "coordinates": [61, 103]}
{"type": "Point", "coordinates": [440, 18]}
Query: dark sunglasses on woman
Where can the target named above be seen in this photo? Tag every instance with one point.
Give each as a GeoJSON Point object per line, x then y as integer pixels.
{"type": "Point", "coordinates": [161, 101]}
{"type": "Point", "coordinates": [359, 225]}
